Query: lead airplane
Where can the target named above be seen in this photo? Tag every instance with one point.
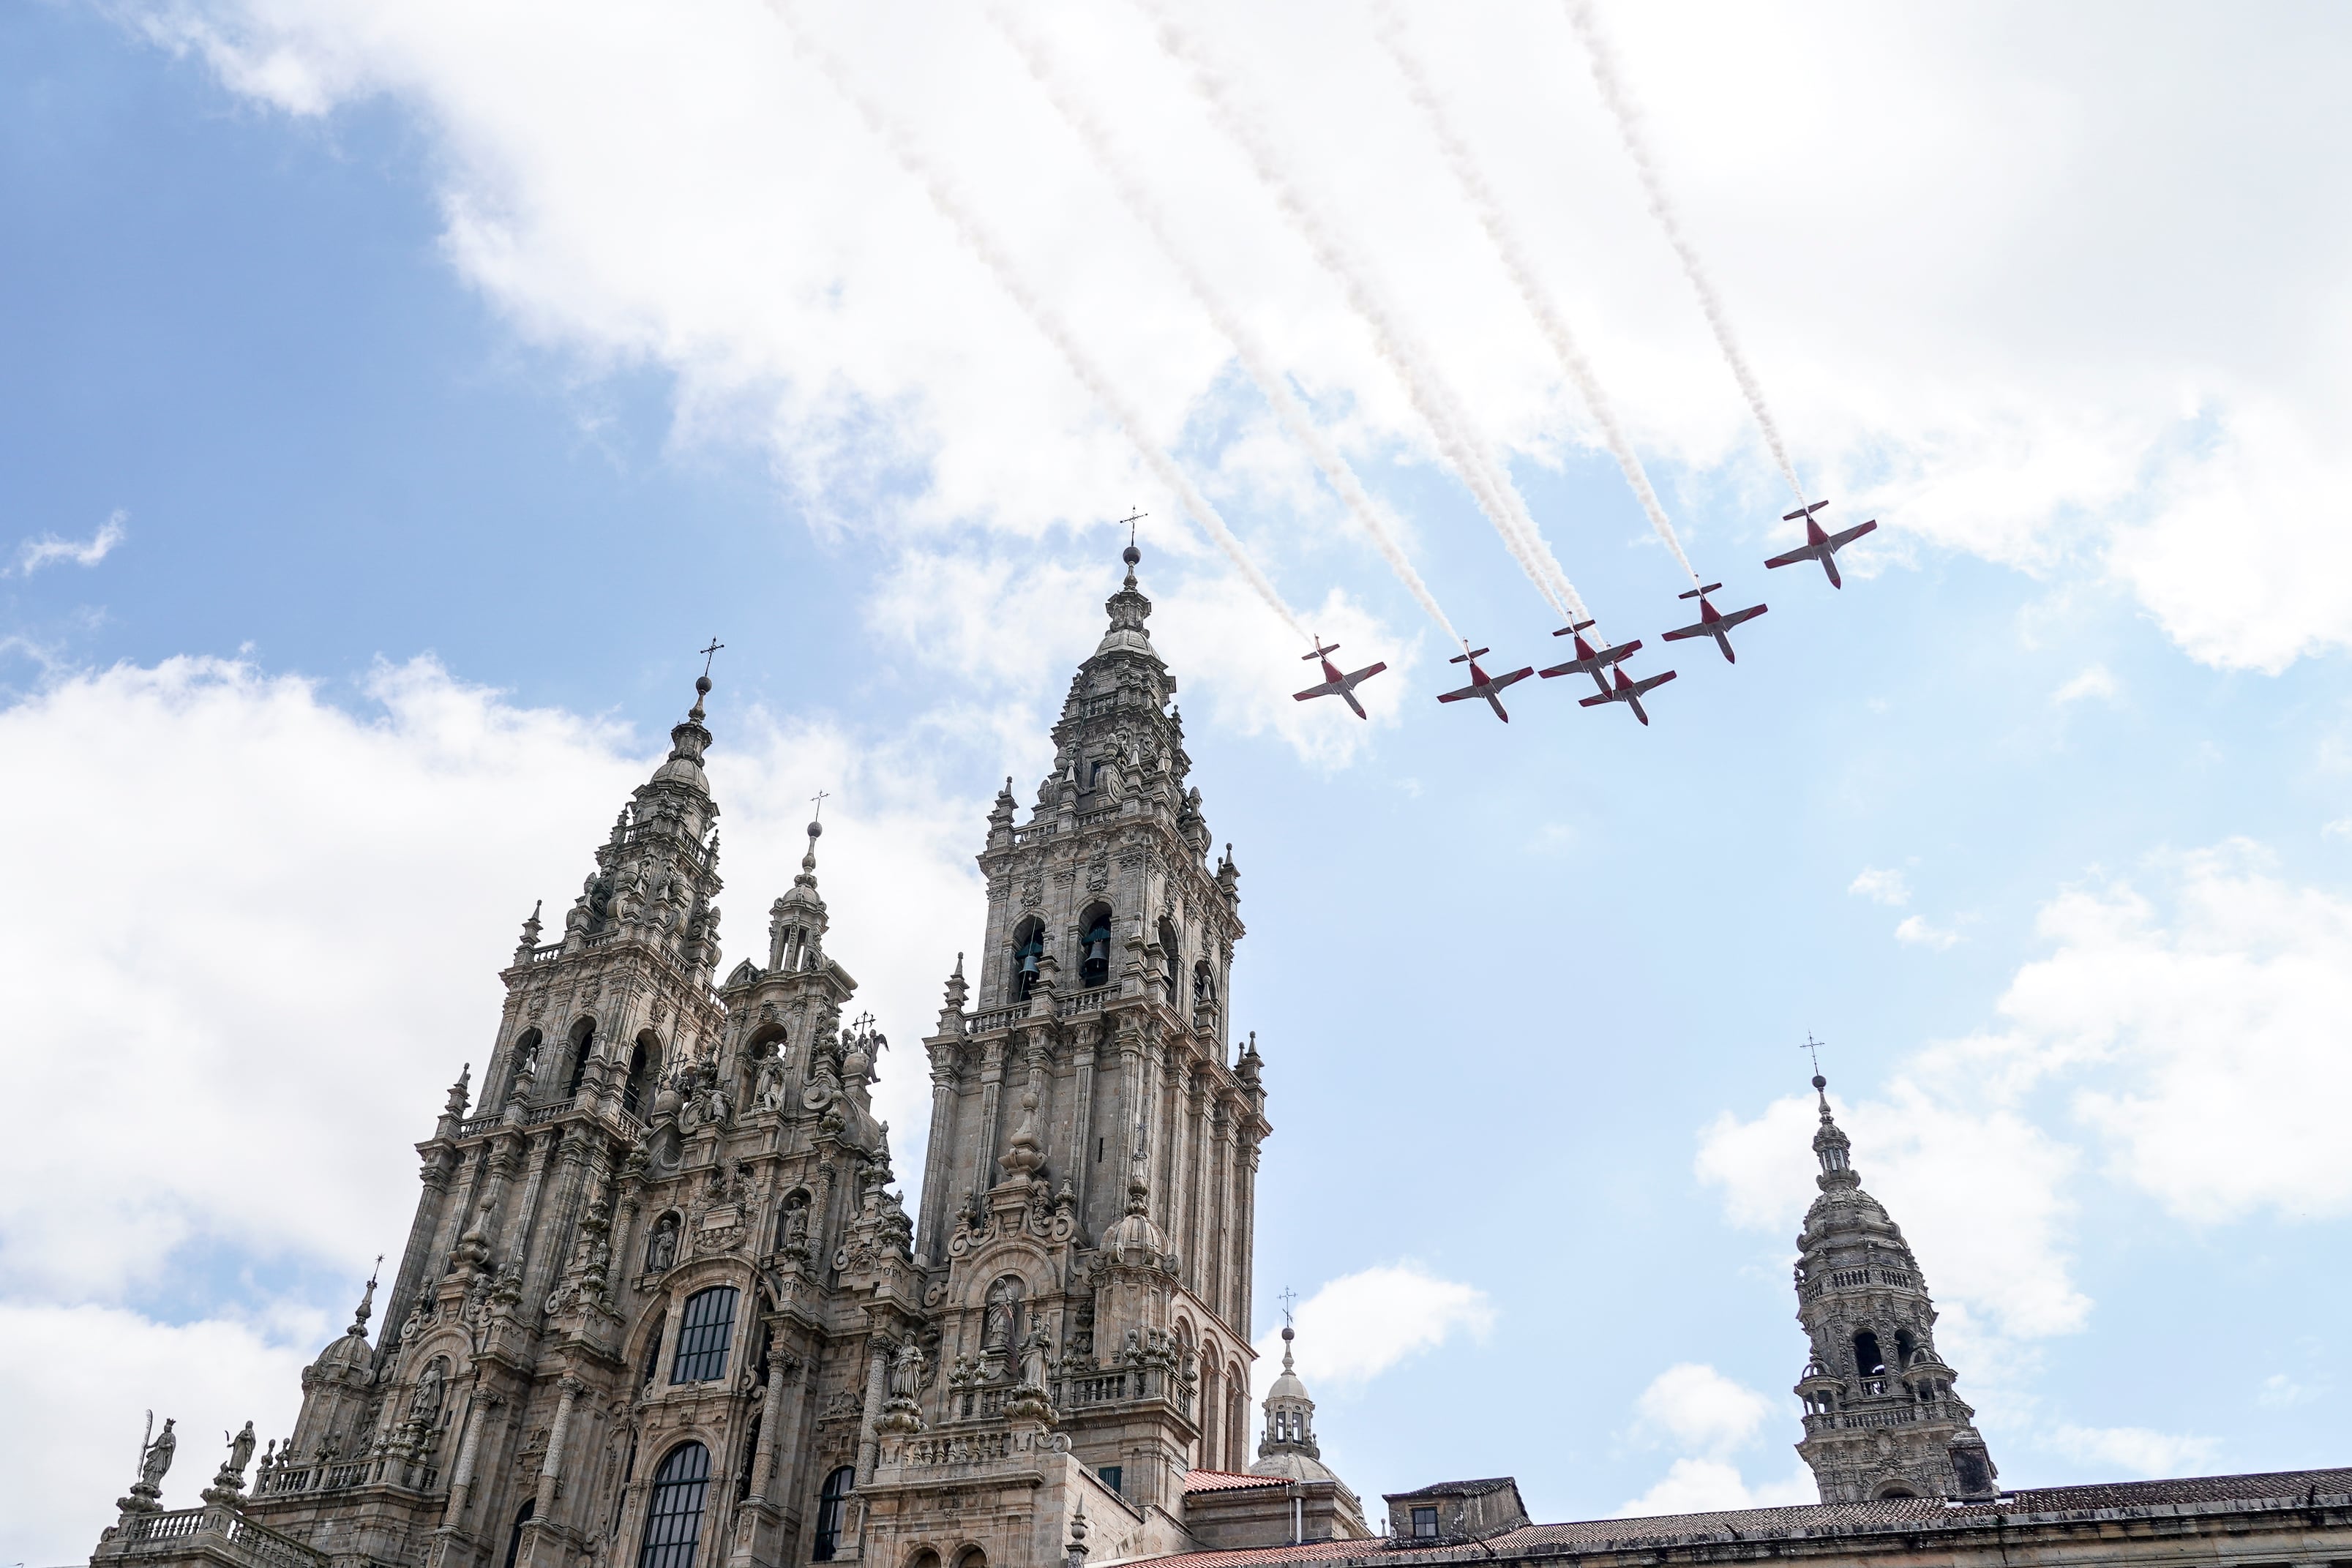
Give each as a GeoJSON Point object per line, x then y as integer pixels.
{"type": "Point", "coordinates": [1820, 546]}
{"type": "Point", "coordinates": [1482, 685]}
{"type": "Point", "coordinates": [1627, 692]}
{"type": "Point", "coordinates": [1335, 684]}
{"type": "Point", "coordinates": [1713, 623]}
{"type": "Point", "coordinates": [1587, 661]}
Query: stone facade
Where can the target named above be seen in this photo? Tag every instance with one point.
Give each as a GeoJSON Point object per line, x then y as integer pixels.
{"type": "Point", "coordinates": [1881, 1418]}
{"type": "Point", "coordinates": [662, 1305]}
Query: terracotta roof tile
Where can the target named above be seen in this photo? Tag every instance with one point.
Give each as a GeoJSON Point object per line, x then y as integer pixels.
{"type": "Point", "coordinates": [1227, 1480]}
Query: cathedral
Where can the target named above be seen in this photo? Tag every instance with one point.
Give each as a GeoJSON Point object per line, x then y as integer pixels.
{"type": "Point", "coordinates": [663, 1305]}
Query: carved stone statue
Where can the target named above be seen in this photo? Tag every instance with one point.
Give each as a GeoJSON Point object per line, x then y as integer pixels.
{"type": "Point", "coordinates": [425, 1402]}
{"type": "Point", "coordinates": [770, 1095]}
{"type": "Point", "coordinates": [240, 1450]}
{"type": "Point", "coordinates": [996, 1320]}
{"type": "Point", "coordinates": [1035, 1352]}
{"type": "Point", "coordinates": [907, 1371]}
{"type": "Point", "coordinates": [157, 1459]}
{"type": "Point", "coordinates": [661, 1247]}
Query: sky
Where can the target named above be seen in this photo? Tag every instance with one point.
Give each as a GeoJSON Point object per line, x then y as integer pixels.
{"type": "Point", "coordinates": [397, 396]}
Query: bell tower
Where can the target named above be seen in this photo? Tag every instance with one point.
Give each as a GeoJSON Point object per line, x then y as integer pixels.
{"type": "Point", "coordinates": [1084, 1224]}
{"type": "Point", "coordinates": [1881, 1418]}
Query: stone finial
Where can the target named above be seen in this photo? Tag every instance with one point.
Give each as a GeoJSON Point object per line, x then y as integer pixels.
{"type": "Point", "coordinates": [460, 1092]}
{"type": "Point", "coordinates": [1074, 1553]}
{"type": "Point", "coordinates": [532, 928]}
{"type": "Point", "coordinates": [360, 1315]}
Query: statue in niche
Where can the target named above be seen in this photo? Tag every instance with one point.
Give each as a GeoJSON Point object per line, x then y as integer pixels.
{"type": "Point", "coordinates": [770, 1094]}
{"type": "Point", "coordinates": [996, 1320]}
{"type": "Point", "coordinates": [661, 1247]}
{"type": "Point", "coordinates": [425, 1402]}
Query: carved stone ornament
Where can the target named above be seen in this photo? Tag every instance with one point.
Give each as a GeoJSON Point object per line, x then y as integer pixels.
{"type": "Point", "coordinates": [1032, 891]}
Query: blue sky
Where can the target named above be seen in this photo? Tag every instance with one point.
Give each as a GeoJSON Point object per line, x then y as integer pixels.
{"type": "Point", "coordinates": [451, 379]}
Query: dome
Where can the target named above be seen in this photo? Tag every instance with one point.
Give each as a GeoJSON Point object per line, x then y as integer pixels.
{"type": "Point", "coordinates": [1288, 1385]}
{"type": "Point", "coordinates": [1290, 1465]}
{"type": "Point", "coordinates": [348, 1352]}
{"type": "Point", "coordinates": [683, 770]}
{"type": "Point", "coordinates": [1135, 1233]}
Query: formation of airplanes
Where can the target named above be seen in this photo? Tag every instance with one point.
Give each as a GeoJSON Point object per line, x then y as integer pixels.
{"type": "Point", "coordinates": [1607, 661]}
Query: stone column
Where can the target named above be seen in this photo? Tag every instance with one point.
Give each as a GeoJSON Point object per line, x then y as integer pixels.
{"type": "Point", "coordinates": [1245, 1221]}
{"type": "Point", "coordinates": [869, 1443]}
{"type": "Point", "coordinates": [992, 1079]}
{"type": "Point", "coordinates": [461, 1476]}
{"type": "Point", "coordinates": [782, 1362]}
{"type": "Point", "coordinates": [929, 1244]}
{"type": "Point", "coordinates": [1198, 1250]}
{"type": "Point", "coordinates": [431, 1207]}
{"type": "Point", "coordinates": [1082, 1119]}
{"type": "Point", "coordinates": [526, 1218]}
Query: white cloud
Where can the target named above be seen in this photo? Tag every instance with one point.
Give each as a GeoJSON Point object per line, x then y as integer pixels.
{"type": "Point", "coordinates": [76, 1391]}
{"type": "Point", "coordinates": [2135, 1449]}
{"type": "Point", "coordinates": [49, 550]}
{"type": "Point", "coordinates": [1914, 931]}
{"type": "Point", "coordinates": [2280, 1392]}
{"type": "Point", "coordinates": [1888, 887]}
{"type": "Point", "coordinates": [1708, 1486]}
{"type": "Point", "coordinates": [2093, 681]}
{"type": "Point", "coordinates": [2341, 828]}
{"type": "Point", "coordinates": [1700, 1409]}
{"type": "Point", "coordinates": [2081, 420]}
{"type": "Point", "coordinates": [241, 927]}
{"type": "Point", "coordinates": [1358, 1326]}
{"type": "Point", "coordinates": [227, 1000]}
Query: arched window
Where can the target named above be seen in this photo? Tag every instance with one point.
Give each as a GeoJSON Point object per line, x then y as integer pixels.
{"type": "Point", "coordinates": [1903, 1347]}
{"type": "Point", "coordinates": [1171, 959]}
{"type": "Point", "coordinates": [1867, 1358]}
{"type": "Point", "coordinates": [1094, 947]}
{"type": "Point", "coordinates": [1028, 947]}
{"type": "Point", "coordinates": [583, 1043]}
{"type": "Point", "coordinates": [831, 1502]}
{"type": "Point", "coordinates": [514, 1536]}
{"type": "Point", "coordinates": [974, 1557]}
{"type": "Point", "coordinates": [674, 1518]}
{"type": "Point", "coordinates": [525, 1052]}
{"type": "Point", "coordinates": [1204, 986]}
{"type": "Point", "coordinates": [703, 1331]}
{"type": "Point", "coordinates": [652, 1349]}
{"type": "Point", "coordinates": [644, 1061]}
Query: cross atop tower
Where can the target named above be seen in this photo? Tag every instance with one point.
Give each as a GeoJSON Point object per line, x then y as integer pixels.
{"type": "Point", "coordinates": [817, 800]}
{"type": "Point", "coordinates": [709, 654]}
{"type": "Point", "coordinates": [1813, 1047]}
{"type": "Point", "coordinates": [1287, 1297]}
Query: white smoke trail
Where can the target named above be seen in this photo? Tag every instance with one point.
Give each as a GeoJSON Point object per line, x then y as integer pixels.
{"type": "Point", "coordinates": [1009, 277]}
{"type": "Point", "coordinates": [1439, 409]}
{"type": "Point", "coordinates": [1255, 358]}
{"type": "Point", "coordinates": [1628, 116]}
{"type": "Point", "coordinates": [1390, 24]}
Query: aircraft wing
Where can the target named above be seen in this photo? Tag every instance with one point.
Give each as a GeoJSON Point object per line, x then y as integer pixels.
{"type": "Point", "coordinates": [1699, 630]}
{"type": "Point", "coordinates": [1329, 689]}
{"type": "Point", "coordinates": [1737, 616]}
{"type": "Point", "coordinates": [1849, 535]}
{"type": "Point", "coordinates": [1802, 552]}
{"type": "Point", "coordinates": [1499, 682]}
{"type": "Point", "coordinates": [1638, 687]}
{"type": "Point", "coordinates": [1597, 701]}
{"type": "Point", "coordinates": [1350, 680]}
{"type": "Point", "coordinates": [1470, 691]}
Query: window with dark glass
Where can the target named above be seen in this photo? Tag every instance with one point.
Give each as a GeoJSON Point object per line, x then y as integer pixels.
{"type": "Point", "coordinates": [673, 1517]}
{"type": "Point", "coordinates": [702, 1335]}
{"type": "Point", "coordinates": [831, 1502]}
{"type": "Point", "coordinates": [1424, 1524]}
{"type": "Point", "coordinates": [1112, 1475]}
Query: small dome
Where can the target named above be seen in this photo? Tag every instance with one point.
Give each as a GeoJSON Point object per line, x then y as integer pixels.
{"type": "Point", "coordinates": [682, 770]}
{"type": "Point", "coordinates": [1136, 1233]}
{"type": "Point", "coordinates": [1291, 1465]}
{"type": "Point", "coordinates": [348, 1352]}
{"type": "Point", "coordinates": [1287, 1387]}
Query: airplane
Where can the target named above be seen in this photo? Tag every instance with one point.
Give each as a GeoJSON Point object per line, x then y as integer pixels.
{"type": "Point", "coordinates": [1628, 692]}
{"type": "Point", "coordinates": [1335, 684]}
{"type": "Point", "coordinates": [1820, 546]}
{"type": "Point", "coordinates": [1587, 661]}
{"type": "Point", "coordinates": [1482, 685]}
{"type": "Point", "coordinates": [1713, 623]}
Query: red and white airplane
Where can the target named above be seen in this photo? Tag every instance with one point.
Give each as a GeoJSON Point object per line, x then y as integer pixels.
{"type": "Point", "coordinates": [1587, 661]}
{"type": "Point", "coordinates": [1335, 684]}
{"type": "Point", "coordinates": [1820, 546]}
{"type": "Point", "coordinates": [1713, 623]}
{"type": "Point", "coordinates": [1627, 692]}
{"type": "Point", "coordinates": [1483, 684]}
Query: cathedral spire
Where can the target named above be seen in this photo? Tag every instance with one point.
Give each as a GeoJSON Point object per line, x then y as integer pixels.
{"type": "Point", "coordinates": [1881, 1418]}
